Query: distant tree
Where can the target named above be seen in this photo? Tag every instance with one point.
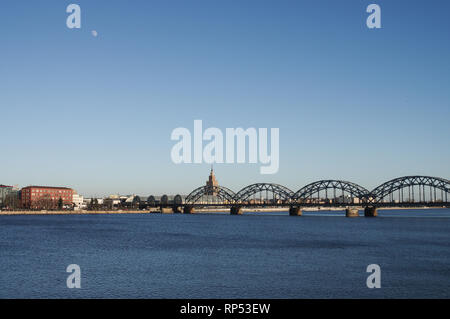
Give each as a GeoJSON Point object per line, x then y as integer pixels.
{"type": "Point", "coordinates": [60, 203]}
{"type": "Point", "coordinates": [93, 204]}
{"type": "Point", "coordinates": [12, 202]}
{"type": "Point", "coordinates": [45, 202]}
{"type": "Point", "coordinates": [90, 204]}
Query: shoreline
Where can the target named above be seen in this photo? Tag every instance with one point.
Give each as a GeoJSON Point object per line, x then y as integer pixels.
{"type": "Point", "coordinates": [201, 210]}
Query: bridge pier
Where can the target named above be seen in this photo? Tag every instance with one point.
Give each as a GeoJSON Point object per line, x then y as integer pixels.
{"type": "Point", "coordinates": [295, 211]}
{"type": "Point", "coordinates": [236, 210]}
{"type": "Point", "coordinates": [370, 211]}
{"type": "Point", "coordinates": [166, 210]}
{"type": "Point", "coordinates": [176, 209]}
{"type": "Point", "coordinates": [188, 210]}
{"type": "Point", "coordinates": [351, 212]}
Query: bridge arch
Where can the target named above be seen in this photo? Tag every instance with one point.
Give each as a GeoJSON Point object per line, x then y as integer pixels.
{"type": "Point", "coordinates": [435, 184]}
{"type": "Point", "coordinates": [151, 201]}
{"type": "Point", "coordinates": [177, 200]}
{"type": "Point", "coordinates": [164, 201]}
{"type": "Point", "coordinates": [136, 200]}
{"type": "Point", "coordinates": [278, 192]}
{"type": "Point", "coordinates": [222, 193]}
{"type": "Point", "coordinates": [309, 191]}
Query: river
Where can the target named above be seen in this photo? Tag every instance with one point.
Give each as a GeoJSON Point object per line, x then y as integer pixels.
{"type": "Point", "coordinates": [256, 255]}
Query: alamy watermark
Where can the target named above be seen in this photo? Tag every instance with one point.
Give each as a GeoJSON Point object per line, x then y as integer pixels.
{"type": "Point", "coordinates": [73, 20]}
{"type": "Point", "coordinates": [374, 19]}
{"type": "Point", "coordinates": [234, 150]}
{"type": "Point", "coordinates": [374, 279]}
{"type": "Point", "coordinates": [74, 279]}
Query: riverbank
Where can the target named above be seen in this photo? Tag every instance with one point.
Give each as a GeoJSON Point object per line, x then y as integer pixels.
{"type": "Point", "coordinates": [73, 212]}
{"type": "Point", "coordinates": [200, 210]}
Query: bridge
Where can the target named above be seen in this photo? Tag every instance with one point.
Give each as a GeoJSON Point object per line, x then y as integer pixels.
{"type": "Point", "coordinates": [407, 191]}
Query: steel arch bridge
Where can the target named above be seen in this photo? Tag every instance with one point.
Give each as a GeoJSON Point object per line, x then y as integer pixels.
{"type": "Point", "coordinates": [309, 190]}
{"type": "Point", "coordinates": [282, 192]}
{"type": "Point", "coordinates": [388, 188]}
{"type": "Point", "coordinates": [326, 193]}
{"type": "Point", "coordinates": [222, 193]}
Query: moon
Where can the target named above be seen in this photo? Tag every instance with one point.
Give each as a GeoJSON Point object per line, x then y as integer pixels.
{"type": "Point", "coordinates": [94, 33]}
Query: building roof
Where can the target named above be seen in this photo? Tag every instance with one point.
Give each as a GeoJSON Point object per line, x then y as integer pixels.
{"type": "Point", "coordinates": [51, 187]}
{"type": "Point", "coordinates": [6, 186]}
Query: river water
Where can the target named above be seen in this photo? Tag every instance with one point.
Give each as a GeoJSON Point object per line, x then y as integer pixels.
{"type": "Point", "coordinates": [257, 255]}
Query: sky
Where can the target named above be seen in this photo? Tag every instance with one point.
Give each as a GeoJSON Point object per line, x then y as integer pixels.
{"type": "Point", "coordinates": [96, 113]}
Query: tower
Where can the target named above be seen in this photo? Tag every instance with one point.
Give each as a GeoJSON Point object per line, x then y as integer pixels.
{"type": "Point", "coordinates": [211, 183]}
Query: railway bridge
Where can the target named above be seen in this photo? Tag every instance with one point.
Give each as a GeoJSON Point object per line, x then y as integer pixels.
{"type": "Point", "coordinates": [406, 191]}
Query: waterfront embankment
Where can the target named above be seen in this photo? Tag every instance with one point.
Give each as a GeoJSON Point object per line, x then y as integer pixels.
{"type": "Point", "coordinates": [73, 212]}
{"type": "Point", "coordinates": [199, 210]}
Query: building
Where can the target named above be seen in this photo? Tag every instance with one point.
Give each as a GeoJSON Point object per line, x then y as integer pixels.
{"type": "Point", "coordinates": [132, 201]}
{"type": "Point", "coordinates": [4, 191]}
{"type": "Point", "coordinates": [88, 202]}
{"type": "Point", "coordinates": [346, 200]}
{"type": "Point", "coordinates": [78, 201]}
{"type": "Point", "coordinates": [8, 194]}
{"type": "Point", "coordinates": [114, 200]}
{"type": "Point", "coordinates": [45, 197]}
{"type": "Point", "coordinates": [211, 183]}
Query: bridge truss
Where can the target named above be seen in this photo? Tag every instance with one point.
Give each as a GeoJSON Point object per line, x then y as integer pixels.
{"type": "Point", "coordinates": [268, 193]}
{"type": "Point", "coordinates": [411, 189]}
{"type": "Point", "coordinates": [320, 190]}
{"type": "Point", "coordinates": [405, 190]}
{"type": "Point", "coordinates": [211, 195]}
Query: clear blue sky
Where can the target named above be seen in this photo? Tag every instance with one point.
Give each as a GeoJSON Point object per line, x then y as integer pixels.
{"type": "Point", "coordinates": [96, 113]}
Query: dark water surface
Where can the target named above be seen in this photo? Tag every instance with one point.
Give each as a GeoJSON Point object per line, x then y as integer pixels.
{"type": "Point", "coordinates": [257, 255]}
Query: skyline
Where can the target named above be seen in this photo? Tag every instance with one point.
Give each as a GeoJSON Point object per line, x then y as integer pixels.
{"type": "Point", "coordinates": [95, 113]}
{"type": "Point", "coordinates": [213, 182]}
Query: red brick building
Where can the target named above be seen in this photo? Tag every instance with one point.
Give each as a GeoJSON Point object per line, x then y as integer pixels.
{"type": "Point", "coordinates": [45, 197]}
